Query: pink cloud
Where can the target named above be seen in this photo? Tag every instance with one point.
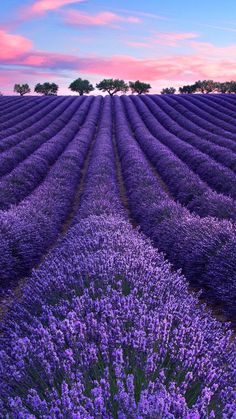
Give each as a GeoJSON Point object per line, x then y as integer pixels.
{"type": "Point", "coordinates": [208, 49]}
{"type": "Point", "coordinates": [75, 17]}
{"type": "Point", "coordinates": [13, 46]}
{"type": "Point", "coordinates": [41, 59]}
{"type": "Point", "coordinates": [172, 39]}
{"type": "Point", "coordinates": [39, 7]}
{"type": "Point", "coordinates": [172, 67]}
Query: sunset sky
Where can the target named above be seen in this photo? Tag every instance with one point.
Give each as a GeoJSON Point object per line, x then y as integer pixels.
{"type": "Point", "coordinates": [171, 42]}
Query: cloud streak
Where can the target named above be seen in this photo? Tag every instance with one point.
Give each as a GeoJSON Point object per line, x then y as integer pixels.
{"type": "Point", "coordinates": [106, 18]}
{"type": "Point", "coordinates": [173, 39]}
{"type": "Point", "coordinates": [172, 67]}
{"type": "Point", "coordinates": [40, 7]}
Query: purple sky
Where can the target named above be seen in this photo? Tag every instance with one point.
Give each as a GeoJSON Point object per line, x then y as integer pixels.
{"type": "Point", "coordinates": [161, 42]}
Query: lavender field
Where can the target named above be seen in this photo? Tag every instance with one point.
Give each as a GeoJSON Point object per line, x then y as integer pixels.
{"type": "Point", "coordinates": [118, 257]}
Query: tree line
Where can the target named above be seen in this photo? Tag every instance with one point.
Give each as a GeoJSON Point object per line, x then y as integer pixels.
{"type": "Point", "coordinates": [113, 86]}
{"type": "Point", "coordinates": [204, 86]}
{"type": "Point", "coordinates": [110, 86]}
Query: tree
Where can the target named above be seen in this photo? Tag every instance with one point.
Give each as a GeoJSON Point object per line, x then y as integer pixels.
{"type": "Point", "coordinates": [22, 89]}
{"type": "Point", "coordinates": [187, 89]}
{"type": "Point", "coordinates": [139, 87]}
{"type": "Point", "coordinates": [112, 86]}
{"type": "Point", "coordinates": [227, 87]}
{"type": "Point", "coordinates": [47, 89]}
{"type": "Point", "coordinates": [168, 91]}
{"type": "Point", "coordinates": [205, 86]}
{"type": "Point", "coordinates": [81, 86]}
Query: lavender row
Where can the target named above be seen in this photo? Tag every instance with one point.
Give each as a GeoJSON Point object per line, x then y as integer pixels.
{"type": "Point", "coordinates": [105, 329]}
{"type": "Point", "coordinates": [178, 124]}
{"type": "Point", "coordinates": [226, 100]}
{"type": "Point", "coordinates": [184, 185]}
{"type": "Point", "coordinates": [11, 102]}
{"type": "Point", "coordinates": [185, 121]}
{"type": "Point", "coordinates": [28, 174]}
{"type": "Point", "coordinates": [201, 119]}
{"type": "Point", "coordinates": [218, 119]}
{"type": "Point", "coordinates": [10, 118]}
{"type": "Point", "coordinates": [28, 125]}
{"type": "Point", "coordinates": [219, 178]}
{"type": "Point", "coordinates": [23, 117]}
{"type": "Point", "coordinates": [215, 109]}
{"type": "Point", "coordinates": [6, 101]}
{"type": "Point", "coordinates": [104, 198]}
{"type": "Point", "coordinates": [35, 128]}
{"type": "Point", "coordinates": [10, 105]}
{"type": "Point", "coordinates": [215, 148]}
{"type": "Point", "coordinates": [28, 229]}
{"type": "Point", "coordinates": [48, 127]}
{"type": "Point", "coordinates": [202, 248]}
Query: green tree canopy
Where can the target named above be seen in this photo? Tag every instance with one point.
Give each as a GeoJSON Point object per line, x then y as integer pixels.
{"type": "Point", "coordinates": [186, 89]}
{"type": "Point", "coordinates": [139, 87]}
{"type": "Point", "coordinates": [112, 86]}
{"type": "Point", "coordinates": [46, 88]}
{"type": "Point", "coordinates": [81, 86]}
{"type": "Point", "coordinates": [205, 86]}
{"type": "Point", "coordinates": [227, 87]}
{"type": "Point", "coordinates": [22, 89]}
{"type": "Point", "coordinates": [168, 91]}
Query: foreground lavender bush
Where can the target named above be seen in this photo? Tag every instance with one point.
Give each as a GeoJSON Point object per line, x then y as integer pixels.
{"type": "Point", "coordinates": [105, 329]}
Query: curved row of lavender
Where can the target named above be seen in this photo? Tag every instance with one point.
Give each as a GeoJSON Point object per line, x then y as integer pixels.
{"type": "Point", "coordinates": [216, 175]}
{"type": "Point", "coordinates": [50, 143]}
{"type": "Point", "coordinates": [106, 329]}
{"type": "Point", "coordinates": [179, 124]}
{"type": "Point", "coordinates": [27, 229]}
{"type": "Point", "coordinates": [18, 147]}
{"type": "Point", "coordinates": [185, 185]}
{"type": "Point", "coordinates": [203, 248]}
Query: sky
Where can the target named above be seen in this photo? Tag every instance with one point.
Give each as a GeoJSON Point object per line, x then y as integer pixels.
{"type": "Point", "coordinates": [162, 42]}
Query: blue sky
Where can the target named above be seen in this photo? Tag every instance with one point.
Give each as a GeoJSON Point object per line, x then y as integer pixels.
{"type": "Point", "coordinates": [161, 42]}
